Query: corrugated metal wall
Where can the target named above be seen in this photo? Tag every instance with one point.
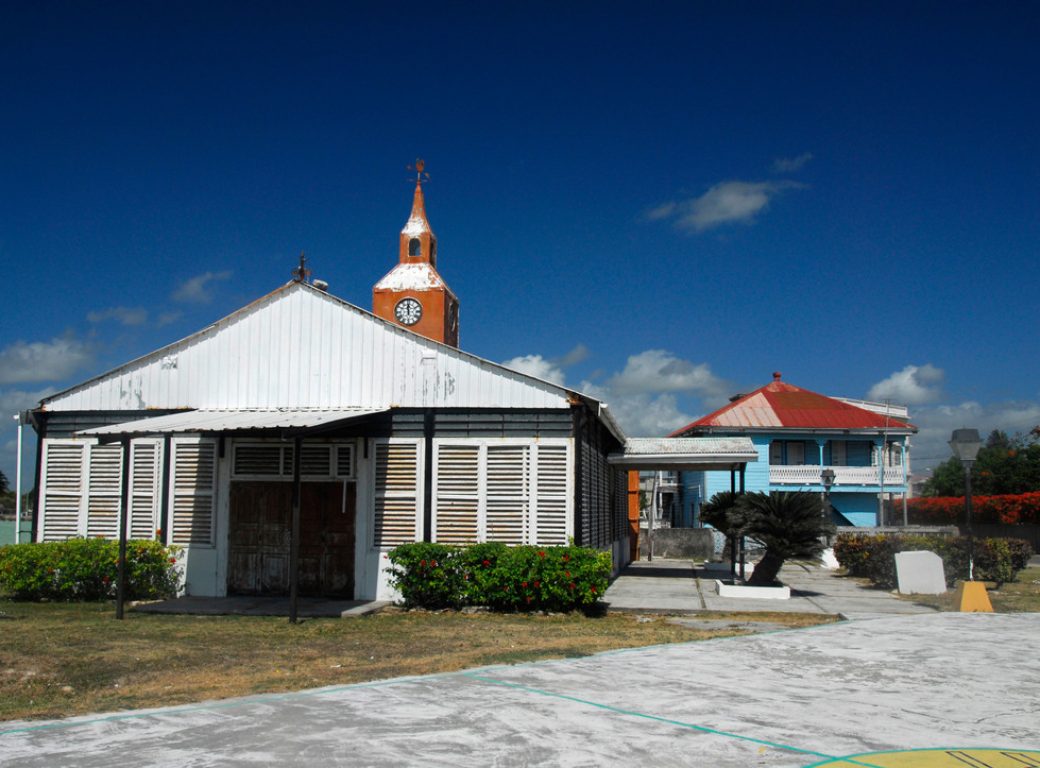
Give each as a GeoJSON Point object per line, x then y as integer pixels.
{"type": "Point", "coordinates": [302, 348]}
{"type": "Point", "coordinates": [602, 517]}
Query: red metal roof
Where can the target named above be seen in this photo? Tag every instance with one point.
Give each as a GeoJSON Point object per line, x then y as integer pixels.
{"type": "Point", "coordinates": [784, 406]}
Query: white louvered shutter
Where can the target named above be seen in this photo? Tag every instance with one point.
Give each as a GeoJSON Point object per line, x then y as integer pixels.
{"type": "Point", "coordinates": [104, 482]}
{"type": "Point", "coordinates": [457, 491]}
{"type": "Point", "coordinates": [552, 495]}
{"type": "Point", "coordinates": [193, 481]}
{"type": "Point", "coordinates": [508, 483]}
{"type": "Point", "coordinates": [63, 489]}
{"type": "Point", "coordinates": [259, 461]}
{"type": "Point", "coordinates": [345, 461]}
{"type": "Point", "coordinates": [397, 492]}
{"type": "Point", "coordinates": [145, 481]}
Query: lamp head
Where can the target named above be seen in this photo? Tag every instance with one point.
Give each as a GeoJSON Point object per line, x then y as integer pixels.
{"type": "Point", "coordinates": [965, 444]}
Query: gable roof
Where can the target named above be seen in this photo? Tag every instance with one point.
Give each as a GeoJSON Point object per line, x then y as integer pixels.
{"type": "Point", "coordinates": [299, 347]}
{"type": "Point", "coordinates": [779, 405]}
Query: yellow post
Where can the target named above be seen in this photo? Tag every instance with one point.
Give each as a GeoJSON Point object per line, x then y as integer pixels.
{"type": "Point", "coordinates": [972, 598]}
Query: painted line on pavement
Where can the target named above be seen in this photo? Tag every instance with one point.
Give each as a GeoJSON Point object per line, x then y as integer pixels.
{"type": "Point", "coordinates": [667, 721]}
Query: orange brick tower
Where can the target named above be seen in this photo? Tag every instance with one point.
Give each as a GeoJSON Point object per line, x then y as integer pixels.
{"type": "Point", "coordinates": [412, 294]}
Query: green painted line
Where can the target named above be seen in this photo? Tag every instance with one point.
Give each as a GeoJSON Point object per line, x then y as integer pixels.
{"type": "Point", "coordinates": [665, 720]}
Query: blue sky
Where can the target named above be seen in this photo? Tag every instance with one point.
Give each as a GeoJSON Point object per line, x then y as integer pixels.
{"type": "Point", "coordinates": [661, 205]}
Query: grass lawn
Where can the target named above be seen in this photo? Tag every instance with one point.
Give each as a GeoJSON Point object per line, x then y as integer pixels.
{"type": "Point", "coordinates": [60, 659]}
{"type": "Point", "coordinates": [1020, 596]}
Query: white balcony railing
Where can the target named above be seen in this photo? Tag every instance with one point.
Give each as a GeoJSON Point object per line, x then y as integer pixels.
{"type": "Point", "coordinates": [809, 474]}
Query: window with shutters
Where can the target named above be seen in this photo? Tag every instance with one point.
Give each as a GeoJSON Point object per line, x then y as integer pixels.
{"type": "Point", "coordinates": [397, 491]}
{"type": "Point", "coordinates": [457, 490]}
{"type": "Point", "coordinates": [63, 487]}
{"type": "Point", "coordinates": [193, 480]}
{"type": "Point", "coordinates": [104, 483]}
{"type": "Point", "coordinates": [145, 482]}
{"type": "Point", "coordinates": [510, 490]}
{"type": "Point", "coordinates": [82, 488]}
{"type": "Point", "coordinates": [552, 509]}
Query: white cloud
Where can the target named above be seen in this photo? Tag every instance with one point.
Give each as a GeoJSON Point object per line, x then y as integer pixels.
{"type": "Point", "coordinates": [196, 290]}
{"type": "Point", "coordinates": [914, 385]}
{"type": "Point", "coordinates": [728, 202]}
{"type": "Point", "coordinates": [657, 370]}
{"type": "Point", "coordinates": [166, 318]}
{"type": "Point", "coordinates": [937, 422]}
{"type": "Point", "coordinates": [548, 368]}
{"type": "Point", "coordinates": [125, 315]}
{"type": "Point", "coordinates": [579, 354]}
{"type": "Point", "coordinates": [642, 415]}
{"type": "Point", "coordinates": [643, 395]}
{"type": "Point", "coordinates": [537, 366]}
{"type": "Point", "coordinates": [13, 400]}
{"type": "Point", "coordinates": [791, 164]}
{"type": "Point", "coordinates": [43, 360]}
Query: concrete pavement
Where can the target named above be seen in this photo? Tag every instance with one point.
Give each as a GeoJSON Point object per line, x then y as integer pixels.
{"type": "Point", "coordinates": [795, 698]}
{"type": "Point", "coordinates": [676, 586]}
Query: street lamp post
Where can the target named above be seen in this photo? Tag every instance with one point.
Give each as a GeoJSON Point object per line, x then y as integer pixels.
{"type": "Point", "coordinates": [827, 479]}
{"type": "Point", "coordinates": [966, 444]}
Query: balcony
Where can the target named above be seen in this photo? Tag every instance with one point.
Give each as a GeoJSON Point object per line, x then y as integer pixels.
{"type": "Point", "coordinates": [809, 474]}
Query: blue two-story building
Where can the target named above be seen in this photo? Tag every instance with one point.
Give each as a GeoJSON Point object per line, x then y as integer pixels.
{"type": "Point", "coordinates": [798, 434]}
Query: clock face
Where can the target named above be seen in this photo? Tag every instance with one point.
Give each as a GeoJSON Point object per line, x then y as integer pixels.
{"type": "Point", "coordinates": [408, 311]}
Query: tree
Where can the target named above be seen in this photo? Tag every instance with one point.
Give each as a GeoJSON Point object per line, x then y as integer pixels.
{"type": "Point", "coordinates": [788, 524]}
{"type": "Point", "coordinates": [1004, 465]}
{"type": "Point", "coordinates": [4, 485]}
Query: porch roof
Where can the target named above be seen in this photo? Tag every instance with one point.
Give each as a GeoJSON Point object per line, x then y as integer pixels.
{"type": "Point", "coordinates": [689, 453]}
{"type": "Point", "coordinates": [233, 420]}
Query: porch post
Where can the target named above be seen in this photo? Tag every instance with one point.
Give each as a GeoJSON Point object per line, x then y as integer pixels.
{"type": "Point", "coordinates": [906, 480]}
{"type": "Point", "coordinates": [294, 540]}
{"type": "Point", "coordinates": [124, 497]}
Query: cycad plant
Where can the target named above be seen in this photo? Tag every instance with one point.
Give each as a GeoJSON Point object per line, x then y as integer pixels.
{"type": "Point", "coordinates": [788, 524]}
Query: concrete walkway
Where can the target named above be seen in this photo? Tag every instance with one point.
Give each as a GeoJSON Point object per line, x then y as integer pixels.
{"type": "Point", "coordinates": [676, 586]}
{"type": "Point", "coordinates": [940, 683]}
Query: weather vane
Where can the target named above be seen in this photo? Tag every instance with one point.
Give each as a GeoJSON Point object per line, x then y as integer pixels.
{"type": "Point", "coordinates": [420, 170]}
{"type": "Point", "coordinates": [301, 273]}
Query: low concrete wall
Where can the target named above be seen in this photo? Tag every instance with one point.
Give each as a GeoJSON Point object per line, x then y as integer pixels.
{"type": "Point", "coordinates": [678, 543]}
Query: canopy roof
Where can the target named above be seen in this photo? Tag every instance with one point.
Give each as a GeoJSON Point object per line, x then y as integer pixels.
{"type": "Point", "coordinates": [696, 454]}
{"type": "Point", "coordinates": [232, 420]}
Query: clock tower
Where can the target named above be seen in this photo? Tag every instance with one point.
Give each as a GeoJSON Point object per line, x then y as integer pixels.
{"type": "Point", "coordinates": [413, 294]}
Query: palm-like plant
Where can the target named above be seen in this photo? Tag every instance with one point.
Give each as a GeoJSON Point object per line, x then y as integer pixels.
{"type": "Point", "coordinates": [788, 524]}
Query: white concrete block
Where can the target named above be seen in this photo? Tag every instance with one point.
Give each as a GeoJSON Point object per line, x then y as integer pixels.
{"type": "Point", "coordinates": [757, 593]}
{"type": "Point", "coordinates": [920, 573]}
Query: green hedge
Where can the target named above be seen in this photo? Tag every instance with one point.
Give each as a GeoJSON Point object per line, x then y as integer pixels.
{"type": "Point", "coordinates": [526, 578]}
{"type": "Point", "coordinates": [873, 556]}
{"type": "Point", "coordinates": [87, 569]}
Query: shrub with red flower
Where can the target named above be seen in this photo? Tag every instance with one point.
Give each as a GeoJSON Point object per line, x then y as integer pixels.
{"type": "Point", "coordinates": [1010, 509]}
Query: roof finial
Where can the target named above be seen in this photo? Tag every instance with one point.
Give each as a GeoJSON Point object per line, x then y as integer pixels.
{"type": "Point", "coordinates": [301, 273]}
{"type": "Point", "coordinates": [420, 171]}
{"type": "Point", "coordinates": [776, 375]}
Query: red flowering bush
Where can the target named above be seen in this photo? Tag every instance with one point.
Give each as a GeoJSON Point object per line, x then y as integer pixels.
{"type": "Point", "coordinates": [524, 578]}
{"type": "Point", "coordinates": [87, 569]}
{"type": "Point", "coordinates": [1010, 509]}
{"type": "Point", "coordinates": [427, 575]}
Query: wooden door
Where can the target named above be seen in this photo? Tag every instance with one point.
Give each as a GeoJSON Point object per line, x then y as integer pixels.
{"type": "Point", "coordinates": [328, 515]}
{"type": "Point", "coordinates": [258, 538]}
